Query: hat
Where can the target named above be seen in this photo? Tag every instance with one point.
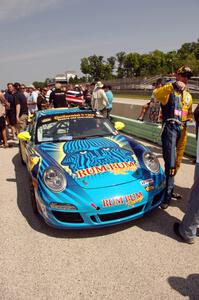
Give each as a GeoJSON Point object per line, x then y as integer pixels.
{"type": "Point", "coordinates": [99, 84]}
{"type": "Point", "coordinates": [30, 86]}
{"type": "Point", "coordinates": [186, 71]}
{"type": "Point", "coordinates": [77, 85]}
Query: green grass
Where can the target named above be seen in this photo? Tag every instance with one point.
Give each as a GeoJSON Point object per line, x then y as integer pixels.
{"type": "Point", "coordinates": [142, 97]}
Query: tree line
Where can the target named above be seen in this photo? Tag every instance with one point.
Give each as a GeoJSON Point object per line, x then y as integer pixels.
{"type": "Point", "coordinates": [133, 64]}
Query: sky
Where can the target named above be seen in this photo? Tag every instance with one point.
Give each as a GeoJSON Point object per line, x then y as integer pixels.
{"type": "Point", "coordinates": [42, 38]}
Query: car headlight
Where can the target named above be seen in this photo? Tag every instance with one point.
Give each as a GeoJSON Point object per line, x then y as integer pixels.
{"type": "Point", "coordinates": [151, 162]}
{"type": "Point", "coordinates": [54, 179]}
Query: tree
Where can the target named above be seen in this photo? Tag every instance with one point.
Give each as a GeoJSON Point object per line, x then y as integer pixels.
{"type": "Point", "coordinates": [120, 59]}
{"type": "Point", "coordinates": [112, 60]}
{"type": "Point", "coordinates": [131, 64]}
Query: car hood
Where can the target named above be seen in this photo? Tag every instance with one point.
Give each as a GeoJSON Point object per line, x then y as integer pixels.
{"type": "Point", "coordinates": [95, 162]}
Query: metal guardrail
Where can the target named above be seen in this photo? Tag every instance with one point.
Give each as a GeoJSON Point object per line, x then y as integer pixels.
{"type": "Point", "coordinates": [151, 132]}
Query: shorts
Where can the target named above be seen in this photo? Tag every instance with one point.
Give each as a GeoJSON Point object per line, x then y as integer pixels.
{"type": "Point", "coordinates": [2, 122]}
{"type": "Point", "coordinates": [23, 120]}
{"type": "Point", "coordinates": [12, 119]}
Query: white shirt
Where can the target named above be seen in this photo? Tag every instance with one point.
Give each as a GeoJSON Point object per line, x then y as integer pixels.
{"type": "Point", "coordinates": [99, 99]}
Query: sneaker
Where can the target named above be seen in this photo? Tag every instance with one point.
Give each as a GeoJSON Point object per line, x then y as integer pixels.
{"type": "Point", "coordinates": [164, 205]}
{"type": "Point", "coordinates": [176, 229]}
{"type": "Point", "coordinates": [176, 196]}
{"type": "Point", "coordinates": [6, 146]}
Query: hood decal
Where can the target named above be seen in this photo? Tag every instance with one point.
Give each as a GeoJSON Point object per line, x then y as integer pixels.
{"type": "Point", "coordinates": [97, 162]}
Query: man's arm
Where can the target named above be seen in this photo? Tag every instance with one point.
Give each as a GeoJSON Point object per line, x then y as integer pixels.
{"type": "Point", "coordinates": [4, 101]}
{"type": "Point", "coordinates": [162, 93]}
{"type": "Point", "coordinates": [18, 108]}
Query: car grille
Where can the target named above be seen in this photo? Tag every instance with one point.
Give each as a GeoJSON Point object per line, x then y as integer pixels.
{"type": "Point", "coordinates": [121, 214]}
{"type": "Point", "coordinates": [68, 217]}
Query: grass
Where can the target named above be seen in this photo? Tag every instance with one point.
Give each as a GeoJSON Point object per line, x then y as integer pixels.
{"type": "Point", "coordinates": [142, 97]}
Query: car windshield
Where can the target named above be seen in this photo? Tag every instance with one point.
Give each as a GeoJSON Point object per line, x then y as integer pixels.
{"type": "Point", "coordinates": [71, 127]}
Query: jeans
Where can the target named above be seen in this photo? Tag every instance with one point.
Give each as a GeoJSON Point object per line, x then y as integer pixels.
{"type": "Point", "coordinates": [190, 222]}
{"type": "Point", "coordinates": [170, 138]}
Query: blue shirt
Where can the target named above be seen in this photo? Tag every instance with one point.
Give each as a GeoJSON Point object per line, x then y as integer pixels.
{"type": "Point", "coordinates": [109, 95]}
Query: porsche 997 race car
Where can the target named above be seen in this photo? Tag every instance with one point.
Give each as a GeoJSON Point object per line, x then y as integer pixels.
{"type": "Point", "coordinates": [84, 173]}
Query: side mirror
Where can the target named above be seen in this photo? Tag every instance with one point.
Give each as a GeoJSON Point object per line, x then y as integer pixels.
{"type": "Point", "coordinates": [119, 125]}
{"type": "Point", "coordinates": [24, 136]}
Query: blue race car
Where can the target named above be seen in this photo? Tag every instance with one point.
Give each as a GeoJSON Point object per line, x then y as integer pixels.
{"type": "Point", "coordinates": [84, 173]}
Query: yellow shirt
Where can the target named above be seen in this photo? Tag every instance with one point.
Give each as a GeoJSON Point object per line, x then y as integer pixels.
{"type": "Point", "coordinates": [162, 94]}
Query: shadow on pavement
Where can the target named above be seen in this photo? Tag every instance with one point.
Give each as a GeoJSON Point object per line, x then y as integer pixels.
{"type": "Point", "coordinates": [187, 287]}
{"type": "Point", "coordinates": [157, 221]}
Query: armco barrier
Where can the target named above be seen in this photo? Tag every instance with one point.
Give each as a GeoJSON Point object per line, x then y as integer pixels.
{"type": "Point", "coordinates": [151, 132]}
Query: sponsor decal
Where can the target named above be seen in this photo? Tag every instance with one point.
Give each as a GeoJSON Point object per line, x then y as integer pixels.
{"type": "Point", "coordinates": [177, 112]}
{"type": "Point", "coordinates": [146, 181]}
{"type": "Point", "coordinates": [116, 168]}
{"type": "Point", "coordinates": [128, 200]}
{"type": "Point", "coordinates": [184, 113]}
{"type": "Point", "coordinates": [46, 120]}
{"type": "Point", "coordinates": [73, 116]}
{"type": "Point", "coordinates": [149, 188]}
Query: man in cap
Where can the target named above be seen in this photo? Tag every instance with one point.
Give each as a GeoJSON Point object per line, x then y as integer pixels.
{"type": "Point", "coordinates": [99, 100]}
{"type": "Point", "coordinates": [176, 104]}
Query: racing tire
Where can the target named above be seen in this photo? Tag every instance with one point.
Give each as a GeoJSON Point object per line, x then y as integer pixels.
{"type": "Point", "coordinates": [32, 198]}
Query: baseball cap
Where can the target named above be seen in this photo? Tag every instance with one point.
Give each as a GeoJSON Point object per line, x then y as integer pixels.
{"type": "Point", "coordinates": [185, 71]}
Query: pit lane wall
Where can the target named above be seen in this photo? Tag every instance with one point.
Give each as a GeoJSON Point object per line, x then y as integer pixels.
{"type": "Point", "coordinates": [147, 130]}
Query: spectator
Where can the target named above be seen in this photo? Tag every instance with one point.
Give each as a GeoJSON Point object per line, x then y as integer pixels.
{"type": "Point", "coordinates": [153, 104]}
{"type": "Point", "coordinates": [11, 112]}
{"type": "Point", "coordinates": [42, 102]}
{"type": "Point", "coordinates": [21, 107]}
{"type": "Point", "coordinates": [49, 91]}
{"type": "Point", "coordinates": [187, 229]}
{"type": "Point", "coordinates": [99, 100]}
{"type": "Point", "coordinates": [3, 106]}
{"type": "Point", "coordinates": [176, 111]}
{"type": "Point", "coordinates": [87, 95]}
{"type": "Point", "coordinates": [109, 95]}
{"type": "Point", "coordinates": [58, 97]}
{"type": "Point", "coordinates": [32, 99]}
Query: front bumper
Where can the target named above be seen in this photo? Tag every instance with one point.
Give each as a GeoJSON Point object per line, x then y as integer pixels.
{"type": "Point", "coordinates": [94, 218]}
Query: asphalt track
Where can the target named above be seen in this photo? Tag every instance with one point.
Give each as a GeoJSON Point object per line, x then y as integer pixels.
{"type": "Point", "coordinates": [138, 260]}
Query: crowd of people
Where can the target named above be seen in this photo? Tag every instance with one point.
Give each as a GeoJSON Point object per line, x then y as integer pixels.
{"type": "Point", "coordinates": [18, 101]}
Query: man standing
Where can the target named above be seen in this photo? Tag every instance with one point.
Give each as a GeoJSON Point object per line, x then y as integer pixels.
{"type": "Point", "coordinates": [31, 99]}
{"type": "Point", "coordinates": [21, 107]}
{"type": "Point", "coordinates": [186, 230]}
{"type": "Point", "coordinates": [176, 111]}
{"type": "Point", "coordinates": [11, 112]}
{"type": "Point", "coordinates": [99, 99]}
{"type": "Point", "coordinates": [109, 95]}
{"type": "Point", "coordinates": [58, 97]}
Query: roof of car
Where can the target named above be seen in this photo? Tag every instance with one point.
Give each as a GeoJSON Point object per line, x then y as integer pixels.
{"type": "Point", "coordinates": [58, 111]}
